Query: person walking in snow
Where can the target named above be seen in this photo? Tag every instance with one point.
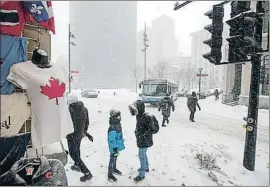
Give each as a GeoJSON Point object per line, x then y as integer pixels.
{"type": "Point", "coordinates": [80, 119]}
{"type": "Point", "coordinates": [145, 128]}
{"type": "Point", "coordinates": [192, 102]}
{"type": "Point", "coordinates": [115, 142]}
{"type": "Point", "coordinates": [216, 93]}
{"type": "Point", "coordinates": [166, 105]}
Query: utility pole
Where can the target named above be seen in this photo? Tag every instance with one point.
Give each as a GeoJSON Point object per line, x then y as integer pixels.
{"type": "Point", "coordinates": [145, 40]}
{"type": "Point", "coordinates": [252, 119]}
{"type": "Point", "coordinates": [70, 35]}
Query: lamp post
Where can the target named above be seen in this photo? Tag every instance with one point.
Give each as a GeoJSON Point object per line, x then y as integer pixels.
{"type": "Point", "coordinates": [200, 78]}
{"type": "Point", "coordinates": [70, 35]}
{"type": "Point", "coordinates": [145, 39]}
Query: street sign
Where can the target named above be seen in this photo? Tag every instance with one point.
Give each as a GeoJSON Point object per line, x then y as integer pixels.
{"type": "Point", "coordinates": [74, 71]}
{"type": "Point", "coordinates": [202, 75]}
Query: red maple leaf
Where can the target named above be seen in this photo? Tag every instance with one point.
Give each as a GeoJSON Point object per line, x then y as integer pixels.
{"type": "Point", "coordinates": [54, 90]}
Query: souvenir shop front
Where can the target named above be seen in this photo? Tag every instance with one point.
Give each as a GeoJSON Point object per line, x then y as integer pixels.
{"type": "Point", "coordinates": [34, 113]}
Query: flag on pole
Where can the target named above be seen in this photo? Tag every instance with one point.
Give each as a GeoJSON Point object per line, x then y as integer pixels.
{"type": "Point", "coordinates": [41, 12]}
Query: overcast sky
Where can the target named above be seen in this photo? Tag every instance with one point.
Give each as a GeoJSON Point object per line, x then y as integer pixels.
{"type": "Point", "coordinates": [187, 20]}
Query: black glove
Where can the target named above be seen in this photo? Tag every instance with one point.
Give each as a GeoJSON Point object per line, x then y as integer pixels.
{"type": "Point", "coordinates": [89, 137]}
{"type": "Point", "coordinates": [173, 110]}
{"type": "Point", "coordinates": [159, 109]}
{"type": "Point", "coordinates": [199, 109]}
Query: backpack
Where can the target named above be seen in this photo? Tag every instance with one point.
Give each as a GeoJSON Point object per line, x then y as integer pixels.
{"type": "Point", "coordinates": [189, 101]}
{"type": "Point", "coordinates": [155, 124]}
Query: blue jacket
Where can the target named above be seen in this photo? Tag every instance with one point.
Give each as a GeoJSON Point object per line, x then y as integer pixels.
{"type": "Point", "coordinates": [115, 135]}
{"type": "Point", "coordinates": [13, 50]}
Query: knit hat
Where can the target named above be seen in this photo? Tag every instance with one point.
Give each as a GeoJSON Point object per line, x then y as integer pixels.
{"type": "Point", "coordinates": [71, 98]}
{"type": "Point", "coordinates": [115, 113]}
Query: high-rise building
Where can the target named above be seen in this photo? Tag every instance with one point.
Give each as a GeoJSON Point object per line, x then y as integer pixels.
{"type": "Point", "coordinates": [105, 38]}
{"type": "Point", "coordinates": [163, 43]}
{"type": "Point", "coordinates": [198, 48]}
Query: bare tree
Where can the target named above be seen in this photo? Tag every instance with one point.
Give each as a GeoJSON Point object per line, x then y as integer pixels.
{"type": "Point", "coordinates": [161, 69]}
{"type": "Point", "coordinates": [189, 76]}
{"type": "Point", "coordinates": [151, 72]}
{"type": "Point", "coordinates": [179, 76]}
{"type": "Point", "coordinates": [137, 74]}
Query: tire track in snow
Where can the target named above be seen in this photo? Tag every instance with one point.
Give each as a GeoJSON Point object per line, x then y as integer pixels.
{"type": "Point", "coordinates": [230, 126]}
{"type": "Point", "coordinates": [223, 124]}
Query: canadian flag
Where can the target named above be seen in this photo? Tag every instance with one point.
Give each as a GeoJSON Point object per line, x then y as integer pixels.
{"type": "Point", "coordinates": [41, 12]}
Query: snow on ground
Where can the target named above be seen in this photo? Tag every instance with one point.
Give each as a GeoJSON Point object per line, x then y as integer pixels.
{"type": "Point", "coordinates": [208, 152]}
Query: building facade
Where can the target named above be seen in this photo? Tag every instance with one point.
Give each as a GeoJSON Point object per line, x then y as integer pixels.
{"type": "Point", "coordinates": [246, 72]}
{"type": "Point", "coordinates": [105, 38]}
{"type": "Point", "coordinates": [215, 73]}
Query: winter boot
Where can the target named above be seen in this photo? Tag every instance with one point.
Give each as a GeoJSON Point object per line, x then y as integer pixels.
{"type": "Point", "coordinates": [112, 178]}
{"type": "Point", "coordinates": [192, 120]}
{"type": "Point", "coordinates": [75, 168]}
{"type": "Point", "coordinates": [138, 178]}
{"type": "Point", "coordinates": [117, 172]}
{"type": "Point", "coordinates": [163, 123]}
{"type": "Point", "coordinates": [87, 176]}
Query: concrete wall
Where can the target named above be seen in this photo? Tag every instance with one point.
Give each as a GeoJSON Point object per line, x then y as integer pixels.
{"type": "Point", "coordinates": [263, 101]}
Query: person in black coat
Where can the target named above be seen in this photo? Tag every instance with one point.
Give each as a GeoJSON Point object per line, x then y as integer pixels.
{"type": "Point", "coordinates": [192, 102]}
{"type": "Point", "coordinates": [143, 134]}
{"type": "Point", "coordinates": [166, 105]}
{"type": "Point", "coordinates": [216, 93]}
{"type": "Point", "coordinates": [80, 119]}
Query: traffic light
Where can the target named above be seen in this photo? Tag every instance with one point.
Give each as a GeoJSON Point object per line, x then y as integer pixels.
{"type": "Point", "coordinates": [242, 41]}
{"type": "Point", "coordinates": [216, 29]}
{"type": "Point", "coordinates": [235, 52]}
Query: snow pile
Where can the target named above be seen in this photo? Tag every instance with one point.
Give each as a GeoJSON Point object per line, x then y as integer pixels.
{"type": "Point", "coordinates": [207, 161]}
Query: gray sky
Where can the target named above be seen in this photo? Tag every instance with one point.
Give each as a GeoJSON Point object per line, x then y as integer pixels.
{"type": "Point", "coordinates": [187, 20]}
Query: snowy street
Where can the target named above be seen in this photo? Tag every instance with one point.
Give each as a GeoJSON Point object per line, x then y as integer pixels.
{"type": "Point", "coordinates": [207, 152]}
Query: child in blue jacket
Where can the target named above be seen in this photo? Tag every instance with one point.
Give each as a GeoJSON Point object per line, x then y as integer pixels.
{"type": "Point", "coordinates": [115, 142]}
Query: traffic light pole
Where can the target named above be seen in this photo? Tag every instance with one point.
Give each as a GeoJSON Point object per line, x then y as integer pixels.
{"type": "Point", "coordinates": [254, 92]}
{"type": "Point", "coordinates": [252, 120]}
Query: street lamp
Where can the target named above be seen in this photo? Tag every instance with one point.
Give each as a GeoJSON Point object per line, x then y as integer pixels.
{"type": "Point", "coordinates": [145, 40]}
{"type": "Point", "coordinates": [200, 78]}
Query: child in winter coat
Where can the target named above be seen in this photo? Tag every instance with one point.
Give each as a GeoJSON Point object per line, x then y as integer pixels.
{"type": "Point", "coordinates": [115, 142]}
{"type": "Point", "coordinates": [144, 136]}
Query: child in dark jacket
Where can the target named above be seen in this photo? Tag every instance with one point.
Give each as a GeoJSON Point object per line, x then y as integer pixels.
{"type": "Point", "coordinates": [115, 142]}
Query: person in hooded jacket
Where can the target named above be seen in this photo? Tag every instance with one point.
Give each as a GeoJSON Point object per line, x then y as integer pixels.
{"type": "Point", "coordinates": [166, 105]}
{"type": "Point", "coordinates": [192, 102]}
{"type": "Point", "coordinates": [144, 136]}
{"type": "Point", "coordinates": [115, 142]}
{"type": "Point", "coordinates": [80, 119]}
{"type": "Point", "coordinates": [216, 93]}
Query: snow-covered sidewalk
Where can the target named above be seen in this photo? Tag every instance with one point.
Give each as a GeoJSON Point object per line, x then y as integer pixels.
{"type": "Point", "coordinates": [208, 152]}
